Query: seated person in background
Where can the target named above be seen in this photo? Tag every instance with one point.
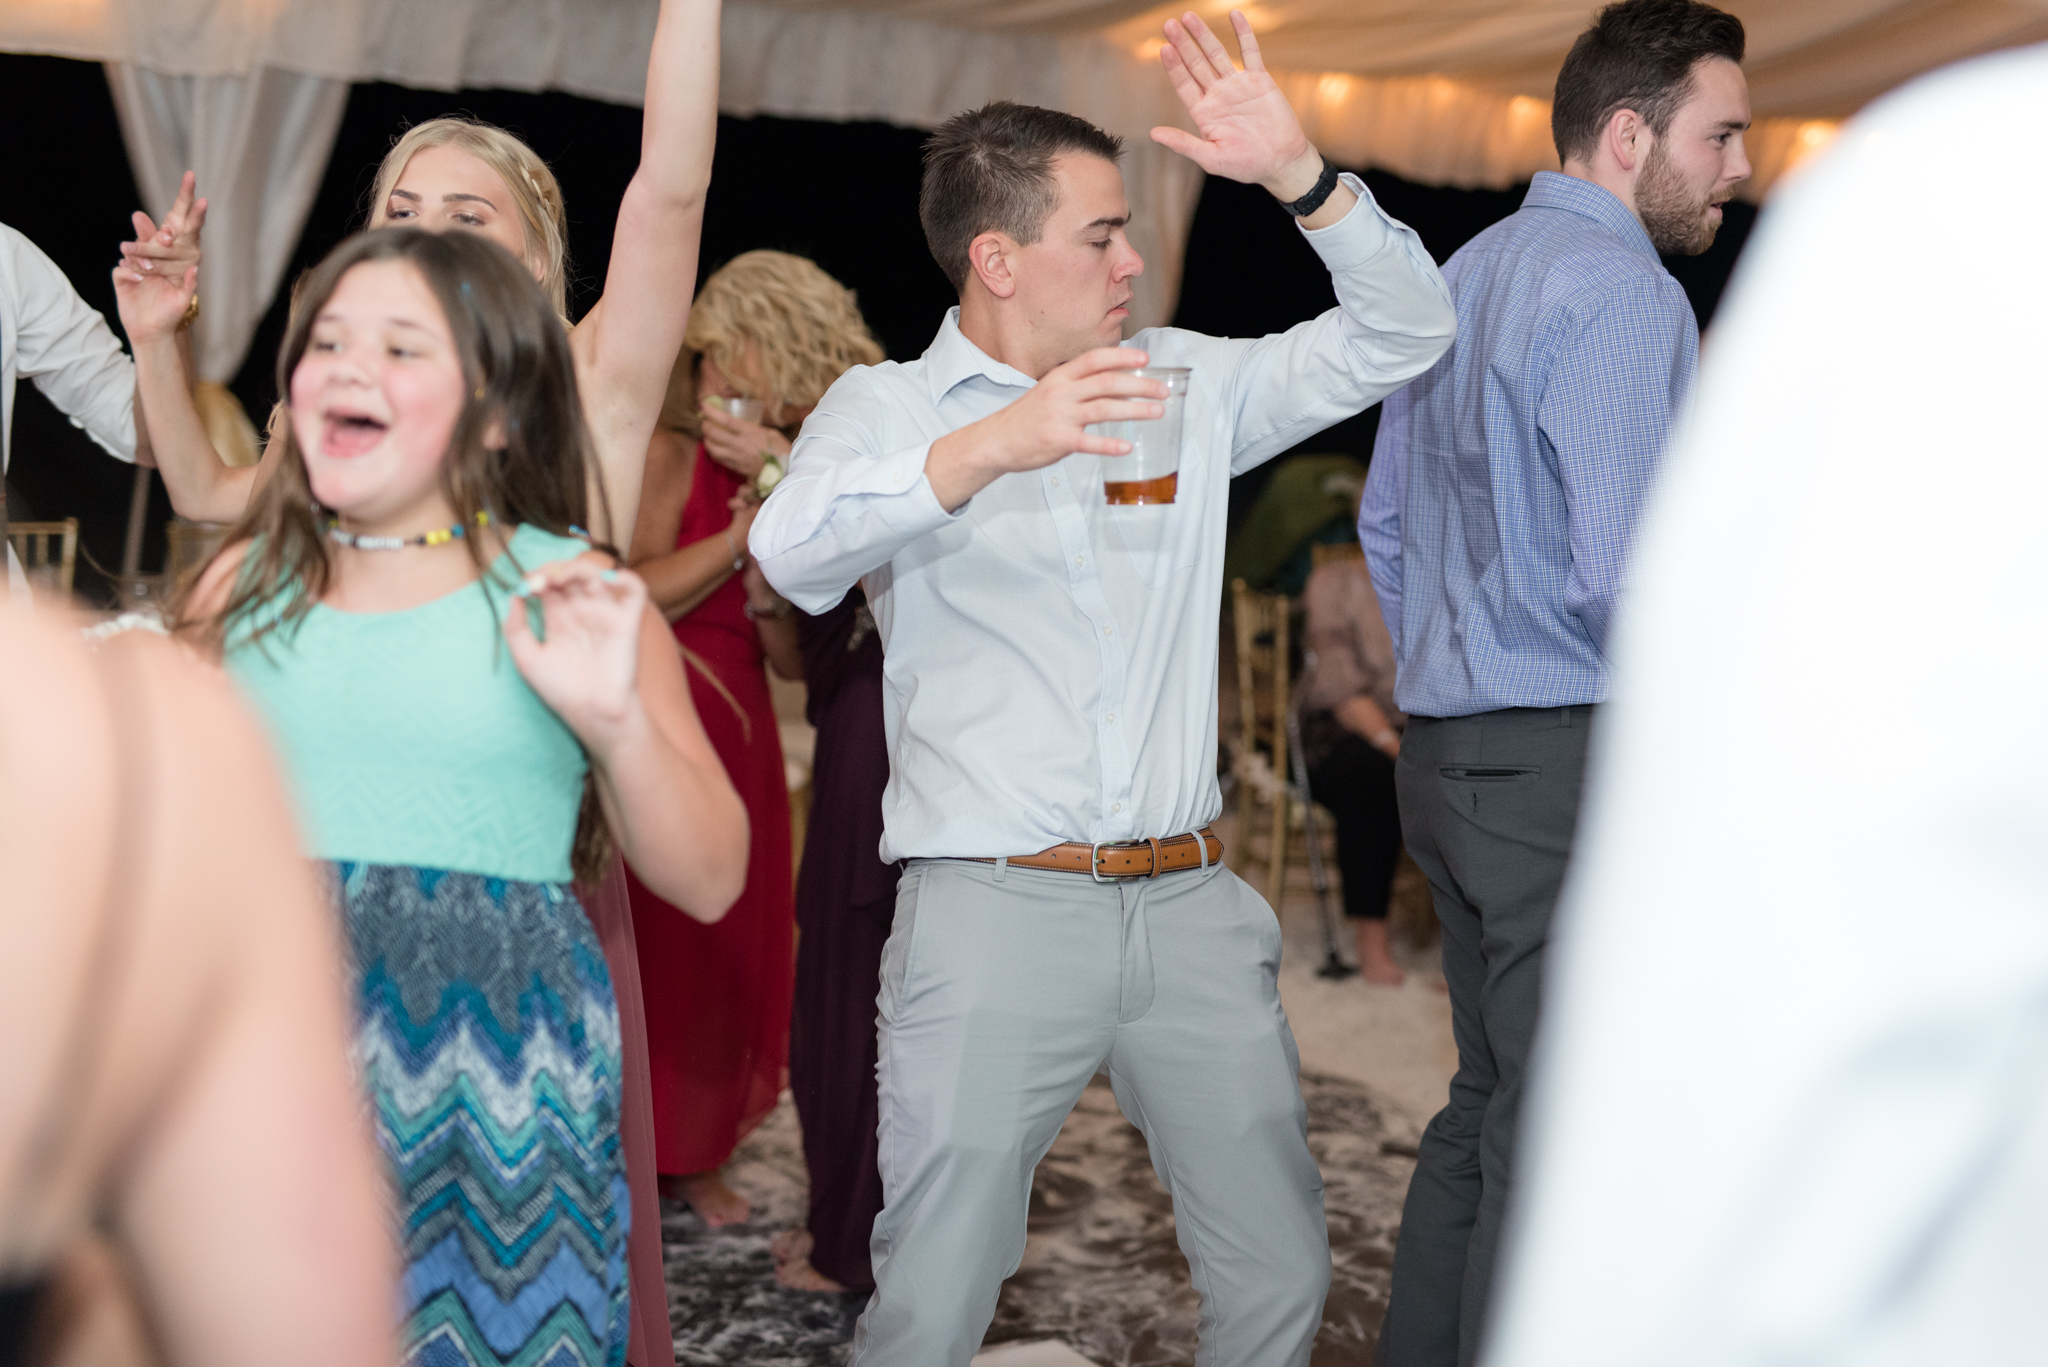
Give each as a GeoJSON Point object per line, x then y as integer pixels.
{"type": "Point", "coordinates": [774, 329]}
{"type": "Point", "coordinates": [1350, 733]}
{"type": "Point", "coordinates": [176, 1070]}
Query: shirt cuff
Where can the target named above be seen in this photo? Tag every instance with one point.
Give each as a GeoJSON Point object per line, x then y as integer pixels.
{"type": "Point", "coordinates": [1355, 238]}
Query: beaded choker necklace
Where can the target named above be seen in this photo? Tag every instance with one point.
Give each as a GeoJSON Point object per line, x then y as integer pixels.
{"type": "Point", "coordinates": [440, 536]}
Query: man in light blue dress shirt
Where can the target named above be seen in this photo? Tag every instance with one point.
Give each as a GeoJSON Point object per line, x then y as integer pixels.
{"type": "Point", "coordinates": [1503, 492]}
{"type": "Point", "coordinates": [1050, 704]}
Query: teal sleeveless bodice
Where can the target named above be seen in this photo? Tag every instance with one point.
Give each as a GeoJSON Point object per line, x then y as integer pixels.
{"type": "Point", "coordinates": [411, 738]}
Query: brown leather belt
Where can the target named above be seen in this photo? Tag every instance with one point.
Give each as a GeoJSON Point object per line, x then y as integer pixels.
{"type": "Point", "coordinates": [1124, 858]}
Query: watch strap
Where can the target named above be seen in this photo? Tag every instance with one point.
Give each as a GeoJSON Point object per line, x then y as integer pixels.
{"type": "Point", "coordinates": [1326, 184]}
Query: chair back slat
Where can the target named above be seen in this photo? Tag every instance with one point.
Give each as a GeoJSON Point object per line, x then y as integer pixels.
{"type": "Point", "coordinates": [48, 552]}
{"type": "Point", "coordinates": [1263, 697]}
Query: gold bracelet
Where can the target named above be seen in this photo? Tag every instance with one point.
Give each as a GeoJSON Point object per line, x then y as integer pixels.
{"type": "Point", "coordinates": [191, 313]}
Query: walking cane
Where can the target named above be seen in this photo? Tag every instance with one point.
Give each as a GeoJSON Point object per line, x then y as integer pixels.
{"type": "Point", "coordinates": [1334, 966]}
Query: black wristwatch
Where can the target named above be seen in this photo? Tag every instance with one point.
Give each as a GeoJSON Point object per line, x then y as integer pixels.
{"type": "Point", "coordinates": [1316, 197]}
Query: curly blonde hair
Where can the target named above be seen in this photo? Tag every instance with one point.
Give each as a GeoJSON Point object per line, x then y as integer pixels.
{"type": "Point", "coordinates": [805, 327]}
{"type": "Point", "coordinates": [535, 192]}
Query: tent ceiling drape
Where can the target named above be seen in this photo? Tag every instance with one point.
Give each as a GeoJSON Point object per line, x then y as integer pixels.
{"type": "Point", "coordinates": [1813, 59]}
{"type": "Point", "coordinates": [1448, 92]}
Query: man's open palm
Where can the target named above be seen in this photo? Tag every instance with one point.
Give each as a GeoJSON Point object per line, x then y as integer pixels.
{"type": "Point", "coordinates": [1247, 130]}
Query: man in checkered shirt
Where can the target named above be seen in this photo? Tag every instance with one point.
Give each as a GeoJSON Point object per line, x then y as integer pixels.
{"type": "Point", "coordinates": [1497, 517]}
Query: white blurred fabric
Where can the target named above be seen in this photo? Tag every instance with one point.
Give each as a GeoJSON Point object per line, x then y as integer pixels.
{"type": "Point", "coordinates": [259, 143]}
{"type": "Point", "coordinates": [1791, 1097]}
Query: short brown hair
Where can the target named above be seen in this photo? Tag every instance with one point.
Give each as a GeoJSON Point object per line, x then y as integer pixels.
{"type": "Point", "coordinates": [990, 169]}
{"type": "Point", "coordinates": [1638, 55]}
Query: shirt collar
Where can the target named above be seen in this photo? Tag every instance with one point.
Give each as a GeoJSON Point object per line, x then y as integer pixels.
{"type": "Point", "coordinates": [951, 359]}
{"type": "Point", "coordinates": [1551, 190]}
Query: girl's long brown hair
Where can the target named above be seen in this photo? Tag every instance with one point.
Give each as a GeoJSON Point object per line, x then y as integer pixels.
{"type": "Point", "coordinates": [518, 373]}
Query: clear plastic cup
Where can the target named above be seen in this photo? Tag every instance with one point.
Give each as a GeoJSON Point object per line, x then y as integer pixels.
{"type": "Point", "coordinates": [746, 410]}
{"type": "Point", "coordinates": [1151, 472]}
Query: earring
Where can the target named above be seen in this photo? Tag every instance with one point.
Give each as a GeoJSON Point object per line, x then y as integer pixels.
{"type": "Point", "coordinates": [479, 393]}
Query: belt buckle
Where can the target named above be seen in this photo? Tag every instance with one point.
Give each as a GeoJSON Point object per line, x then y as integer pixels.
{"type": "Point", "coordinates": [1095, 859]}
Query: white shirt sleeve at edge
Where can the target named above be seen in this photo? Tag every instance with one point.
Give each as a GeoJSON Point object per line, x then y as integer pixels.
{"type": "Point", "coordinates": [66, 347]}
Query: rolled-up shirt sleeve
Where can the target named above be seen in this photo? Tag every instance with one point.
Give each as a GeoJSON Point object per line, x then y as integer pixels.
{"type": "Point", "coordinates": [65, 346]}
{"type": "Point", "coordinates": [847, 505]}
{"type": "Point", "coordinates": [1393, 319]}
{"type": "Point", "coordinates": [1623, 372]}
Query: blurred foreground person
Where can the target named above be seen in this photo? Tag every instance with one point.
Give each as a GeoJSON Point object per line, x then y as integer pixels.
{"type": "Point", "coordinates": [1497, 521]}
{"type": "Point", "coordinates": [176, 1072]}
{"type": "Point", "coordinates": [1792, 1096]}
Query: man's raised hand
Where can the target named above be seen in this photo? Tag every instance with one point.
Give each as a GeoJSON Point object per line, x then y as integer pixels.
{"type": "Point", "coordinates": [1048, 424]}
{"type": "Point", "coordinates": [1245, 129]}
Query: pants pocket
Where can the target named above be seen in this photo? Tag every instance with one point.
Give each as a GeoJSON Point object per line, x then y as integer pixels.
{"type": "Point", "coordinates": [899, 951]}
{"type": "Point", "coordinates": [1488, 773]}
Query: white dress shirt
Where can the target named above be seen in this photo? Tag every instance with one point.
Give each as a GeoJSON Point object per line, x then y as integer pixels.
{"type": "Point", "coordinates": [1049, 660]}
{"type": "Point", "coordinates": [58, 340]}
{"type": "Point", "coordinates": [1790, 1105]}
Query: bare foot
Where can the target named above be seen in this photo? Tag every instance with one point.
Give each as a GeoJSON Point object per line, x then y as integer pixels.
{"type": "Point", "coordinates": [717, 1203]}
{"type": "Point", "coordinates": [791, 1245]}
{"type": "Point", "coordinates": [1375, 959]}
{"type": "Point", "coordinates": [799, 1275]}
{"type": "Point", "coordinates": [791, 1250]}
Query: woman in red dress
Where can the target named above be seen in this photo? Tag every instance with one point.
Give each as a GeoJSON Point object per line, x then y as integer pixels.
{"type": "Point", "coordinates": [774, 329]}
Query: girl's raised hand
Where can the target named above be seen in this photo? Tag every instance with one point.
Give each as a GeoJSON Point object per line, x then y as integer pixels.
{"type": "Point", "coordinates": [588, 667]}
{"type": "Point", "coordinates": [152, 303]}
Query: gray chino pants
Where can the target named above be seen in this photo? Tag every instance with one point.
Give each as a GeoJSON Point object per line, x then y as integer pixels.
{"type": "Point", "coordinates": [1488, 805]}
{"type": "Point", "coordinates": [1004, 990]}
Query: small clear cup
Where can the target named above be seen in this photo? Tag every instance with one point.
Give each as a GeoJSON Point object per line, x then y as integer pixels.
{"type": "Point", "coordinates": [746, 410]}
{"type": "Point", "coordinates": [1150, 474]}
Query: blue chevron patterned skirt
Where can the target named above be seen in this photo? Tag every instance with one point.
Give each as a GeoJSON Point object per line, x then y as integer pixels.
{"type": "Point", "coordinates": [488, 1041]}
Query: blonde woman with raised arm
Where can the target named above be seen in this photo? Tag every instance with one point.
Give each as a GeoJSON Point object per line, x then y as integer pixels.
{"type": "Point", "coordinates": [457, 175]}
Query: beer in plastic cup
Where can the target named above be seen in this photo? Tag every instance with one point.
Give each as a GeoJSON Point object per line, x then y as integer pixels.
{"type": "Point", "coordinates": [1151, 472]}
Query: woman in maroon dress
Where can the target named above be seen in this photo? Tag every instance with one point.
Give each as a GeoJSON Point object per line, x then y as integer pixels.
{"type": "Point", "coordinates": [775, 329]}
{"type": "Point", "coordinates": [845, 905]}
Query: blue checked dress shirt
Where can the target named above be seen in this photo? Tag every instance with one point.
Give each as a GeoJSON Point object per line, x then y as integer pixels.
{"type": "Point", "coordinates": [1049, 661]}
{"type": "Point", "coordinates": [1506, 481]}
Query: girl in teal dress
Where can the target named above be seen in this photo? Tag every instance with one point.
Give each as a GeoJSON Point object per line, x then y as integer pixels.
{"type": "Point", "coordinates": [472, 704]}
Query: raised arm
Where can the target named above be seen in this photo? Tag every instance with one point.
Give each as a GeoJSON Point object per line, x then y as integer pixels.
{"type": "Point", "coordinates": [154, 286]}
{"type": "Point", "coordinates": [1245, 129]}
{"type": "Point", "coordinates": [1394, 316]}
{"type": "Point", "coordinates": [626, 345]}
